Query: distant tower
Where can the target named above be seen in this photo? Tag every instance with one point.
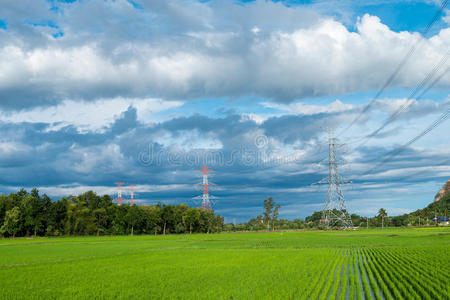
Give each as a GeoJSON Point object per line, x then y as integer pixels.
{"type": "Point", "coordinates": [119, 198]}
{"type": "Point", "coordinates": [335, 209]}
{"type": "Point", "coordinates": [131, 193]}
{"type": "Point", "coordinates": [206, 197]}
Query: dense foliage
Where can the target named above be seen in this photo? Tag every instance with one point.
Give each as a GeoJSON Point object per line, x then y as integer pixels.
{"type": "Point", "coordinates": [433, 214]}
{"type": "Point", "coordinates": [25, 214]}
{"type": "Point", "coordinates": [420, 217]}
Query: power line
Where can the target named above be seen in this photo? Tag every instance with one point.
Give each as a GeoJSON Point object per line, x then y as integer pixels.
{"type": "Point", "coordinates": [445, 162]}
{"type": "Point", "coordinates": [415, 91]}
{"type": "Point", "coordinates": [442, 118]}
{"type": "Point", "coordinates": [407, 103]}
{"type": "Point", "coordinates": [433, 83]}
{"type": "Point", "coordinates": [399, 67]}
{"type": "Point", "coordinates": [436, 16]}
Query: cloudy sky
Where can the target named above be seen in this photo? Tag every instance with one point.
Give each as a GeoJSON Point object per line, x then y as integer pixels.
{"type": "Point", "coordinates": [94, 92]}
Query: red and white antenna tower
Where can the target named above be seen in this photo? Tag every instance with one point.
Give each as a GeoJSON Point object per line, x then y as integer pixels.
{"type": "Point", "coordinates": [131, 193]}
{"type": "Point", "coordinates": [119, 198]}
{"type": "Point", "coordinates": [206, 197]}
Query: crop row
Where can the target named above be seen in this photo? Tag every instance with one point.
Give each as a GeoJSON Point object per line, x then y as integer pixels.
{"type": "Point", "coordinates": [381, 273]}
{"type": "Point", "coordinates": [223, 270]}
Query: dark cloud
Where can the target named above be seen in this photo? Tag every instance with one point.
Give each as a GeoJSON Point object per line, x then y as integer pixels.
{"type": "Point", "coordinates": [40, 154]}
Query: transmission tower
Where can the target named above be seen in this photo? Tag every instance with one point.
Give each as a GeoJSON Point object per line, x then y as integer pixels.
{"type": "Point", "coordinates": [335, 209]}
{"type": "Point", "coordinates": [119, 198]}
{"type": "Point", "coordinates": [131, 186]}
{"type": "Point", "coordinates": [206, 197]}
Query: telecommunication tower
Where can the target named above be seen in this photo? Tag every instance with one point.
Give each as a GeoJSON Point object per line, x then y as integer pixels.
{"type": "Point", "coordinates": [335, 209]}
{"type": "Point", "coordinates": [206, 197]}
{"type": "Point", "coordinates": [119, 198]}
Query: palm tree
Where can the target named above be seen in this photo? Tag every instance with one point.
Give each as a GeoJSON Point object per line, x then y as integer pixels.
{"type": "Point", "coordinates": [382, 213]}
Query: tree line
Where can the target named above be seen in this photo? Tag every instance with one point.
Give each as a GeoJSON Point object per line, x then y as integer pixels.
{"type": "Point", "coordinates": [430, 215]}
{"type": "Point", "coordinates": [268, 220]}
{"type": "Point", "coordinates": [27, 214]}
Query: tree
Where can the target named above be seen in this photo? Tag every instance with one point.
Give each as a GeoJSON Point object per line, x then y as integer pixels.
{"type": "Point", "coordinates": [101, 216]}
{"type": "Point", "coordinates": [30, 208]}
{"type": "Point", "coordinates": [382, 213]}
{"type": "Point", "coordinates": [356, 220]}
{"type": "Point", "coordinates": [80, 220]}
{"type": "Point", "coordinates": [275, 215]}
{"type": "Point", "coordinates": [153, 218]}
{"type": "Point", "coordinates": [35, 193]}
{"type": "Point", "coordinates": [219, 223]}
{"type": "Point", "coordinates": [35, 212]}
{"type": "Point", "coordinates": [132, 217]}
{"type": "Point", "coordinates": [268, 206]}
{"type": "Point", "coordinates": [207, 220]}
{"type": "Point", "coordinates": [167, 216]}
{"type": "Point", "coordinates": [314, 218]}
{"type": "Point", "coordinates": [57, 217]}
{"type": "Point", "coordinates": [190, 217]}
{"type": "Point", "coordinates": [177, 218]}
{"type": "Point", "coordinates": [11, 222]}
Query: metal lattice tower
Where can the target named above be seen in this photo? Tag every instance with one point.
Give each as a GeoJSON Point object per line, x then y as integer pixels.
{"type": "Point", "coordinates": [206, 197]}
{"type": "Point", "coordinates": [131, 193]}
{"type": "Point", "coordinates": [119, 198]}
{"type": "Point", "coordinates": [335, 209]}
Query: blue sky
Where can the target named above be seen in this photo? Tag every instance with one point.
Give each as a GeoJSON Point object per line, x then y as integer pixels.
{"type": "Point", "coordinates": [144, 92]}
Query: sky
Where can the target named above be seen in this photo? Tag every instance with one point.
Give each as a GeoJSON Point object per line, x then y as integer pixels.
{"type": "Point", "coordinates": [94, 92]}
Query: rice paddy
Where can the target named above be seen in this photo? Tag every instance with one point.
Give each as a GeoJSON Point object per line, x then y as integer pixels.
{"type": "Point", "coordinates": [361, 264]}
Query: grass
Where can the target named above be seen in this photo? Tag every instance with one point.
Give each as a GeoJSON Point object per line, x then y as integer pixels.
{"type": "Point", "coordinates": [363, 264]}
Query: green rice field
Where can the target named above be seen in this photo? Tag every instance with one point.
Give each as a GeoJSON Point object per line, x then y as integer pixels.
{"type": "Point", "coordinates": [360, 264]}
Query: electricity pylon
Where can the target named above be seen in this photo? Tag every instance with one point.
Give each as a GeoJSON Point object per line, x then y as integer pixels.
{"type": "Point", "coordinates": [335, 209]}
{"type": "Point", "coordinates": [206, 197]}
{"type": "Point", "coordinates": [132, 194]}
{"type": "Point", "coordinates": [119, 198]}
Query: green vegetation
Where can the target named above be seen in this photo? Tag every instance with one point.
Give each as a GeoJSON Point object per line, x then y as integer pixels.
{"type": "Point", "coordinates": [26, 214]}
{"type": "Point", "coordinates": [30, 214]}
{"type": "Point", "coordinates": [360, 264]}
{"type": "Point", "coordinates": [420, 217]}
{"type": "Point", "coordinates": [382, 213]}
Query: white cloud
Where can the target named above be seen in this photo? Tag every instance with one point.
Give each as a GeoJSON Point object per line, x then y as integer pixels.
{"type": "Point", "coordinates": [75, 189]}
{"type": "Point", "coordinates": [307, 109]}
{"type": "Point", "coordinates": [257, 118]}
{"type": "Point", "coordinates": [188, 140]}
{"type": "Point", "coordinates": [90, 116]}
{"type": "Point", "coordinates": [256, 30]}
{"type": "Point", "coordinates": [410, 107]}
{"type": "Point", "coordinates": [322, 58]}
{"type": "Point", "coordinates": [446, 18]}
